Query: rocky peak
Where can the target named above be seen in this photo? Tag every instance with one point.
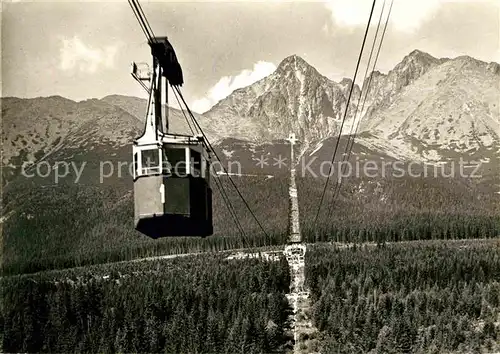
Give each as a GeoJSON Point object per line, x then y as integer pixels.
{"type": "Point", "coordinates": [383, 87]}
{"type": "Point", "coordinates": [294, 67]}
{"type": "Point", "coordinates": [413, 66]}
{"type": "Point", "coordinates": [419, 55]}
{"type": "Point", "coordinates": [294, 62]}
{"type": "Point", "coordinates": [494, 68]}
{"type": "Point", "coordinates": [296, 97]}
{"type": "Point", "coordinates": [346, 83]}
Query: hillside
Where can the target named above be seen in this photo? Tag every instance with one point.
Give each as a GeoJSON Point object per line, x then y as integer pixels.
{"type": "Point", "coordinates": [177, 118]}
{"type": "Point", "coordinates": [56, 128]}
{"type": "Point", "coordinates": [81, 200]}
{"type": "Point", "coordinates": [425, 109]}
{"type": "Point", "coordinates": [150, 307]}
{"type": "Point", "coordinates": [432, 297]}
{"type": "Point", "coordinates": [451, 110]}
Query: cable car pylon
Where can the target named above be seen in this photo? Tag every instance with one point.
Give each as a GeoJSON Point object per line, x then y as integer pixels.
{"type": "Point", "coordinates": [295, 235]}
{"type": "Point", "coordinates": [295, 250]}
{"type": "Point", "coordinates": [295, 255]}
{"type": "Point", "coordinates": [172, 193]}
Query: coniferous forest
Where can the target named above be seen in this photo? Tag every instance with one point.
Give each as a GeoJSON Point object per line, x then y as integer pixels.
{"type": "Point", "coordinates": [419, 297]}
{"type": "Point", "coordinates": [379, 210]}
{"type": "Point", "coordinates": [99, 228]}
{"type": "Point", "coordinates": [201, 304]}
{"type": "Point", "coordinates": [423, 296]}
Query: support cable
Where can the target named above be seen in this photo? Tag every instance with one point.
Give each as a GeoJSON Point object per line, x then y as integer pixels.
{"type": "Point", "coordinates": [215, 153]}
{"type": "Point", "coordinates": [345, 114]}
{"type": "Point", "coordinates": [230, 207]}
{"type": "Point", "coordinates": [183, 113]}
{"type": "Point", "coordinates": [353, 137]}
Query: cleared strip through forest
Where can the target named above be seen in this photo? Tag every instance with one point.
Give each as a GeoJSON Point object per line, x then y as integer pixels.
{"type": "Point", "coordinates": [295, 256]}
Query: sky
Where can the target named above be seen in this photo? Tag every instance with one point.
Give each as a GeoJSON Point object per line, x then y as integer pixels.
{"type": "Point", "coordinates": [83, 49]}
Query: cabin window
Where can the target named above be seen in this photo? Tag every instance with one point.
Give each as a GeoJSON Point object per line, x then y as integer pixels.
{"type": "Point", "coordinates": [150, 161]}
{"type": "Point", "coordinates": [196, 163]}
{"type": "Point", "coordinates": [166, 168]}
{"type": "Point", "coordinates": [175, 161]}
{"type": "Point", "coordinates": [207, 169]}
{"type": "Point", "coordinates": [136, 166]}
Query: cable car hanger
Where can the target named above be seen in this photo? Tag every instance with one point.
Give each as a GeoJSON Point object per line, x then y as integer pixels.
{"type": "Point", "coordinates": [172, 193]}
{"type": "Point", "coordinates": [166, 203]}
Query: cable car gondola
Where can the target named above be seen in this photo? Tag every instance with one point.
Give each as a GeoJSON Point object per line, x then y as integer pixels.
{"type": "Point", "coordinates": [172, 193]}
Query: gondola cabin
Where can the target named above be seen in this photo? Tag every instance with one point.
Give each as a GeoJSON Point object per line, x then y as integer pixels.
{"type": "Point", "coordinates": [172, 187]}
{"type": "Point", "coordinates": [172, 194]}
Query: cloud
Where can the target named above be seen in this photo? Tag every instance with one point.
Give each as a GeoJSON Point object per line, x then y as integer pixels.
{"type": "Point", "coordinates": [406, 15]}
{"type": "Point", "coordinates": [227, 84]}
{"type": "Point", "coordinates": [326, 28]}
{"type": "Point", "coordinates": [77, 55]}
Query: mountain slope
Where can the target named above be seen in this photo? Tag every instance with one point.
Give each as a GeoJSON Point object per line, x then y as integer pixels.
{"type": "Point", "coordinates": [55, 128]}
{"type": "Point", "coordinates": [137, 107]}
{"type": "Point", "coordinates": [450, 111]}
{"type": "Point", "coordinates": [84, 216]}
{"type": "Point", "coordinates": [425, 109]}
{"type": "Point", "coordinates": [383, 87]}
{"type": "Point", "coordinates": [296, 97]}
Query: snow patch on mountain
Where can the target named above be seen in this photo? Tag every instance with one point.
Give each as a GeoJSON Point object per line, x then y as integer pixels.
{"type": "Point", "coordinates": [228, 153]}
{"type": "Point", "coordinates": [316, 149]}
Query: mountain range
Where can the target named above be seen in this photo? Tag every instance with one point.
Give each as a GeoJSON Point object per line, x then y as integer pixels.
{"type": "Point", "coordinates": [426, 109]}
